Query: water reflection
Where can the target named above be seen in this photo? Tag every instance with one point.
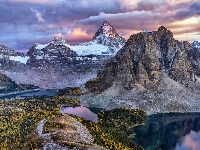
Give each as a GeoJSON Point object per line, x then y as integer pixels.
{"type": "Point", "coordinates": [81, 111]}
{"type": "Point", "coordinates": [170, 131]}
{"type": "Point", "coordinates": [189, 142]}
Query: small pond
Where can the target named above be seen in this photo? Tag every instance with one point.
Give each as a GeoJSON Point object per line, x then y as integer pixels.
{"type": "Point", "coordinates": [84, 112]}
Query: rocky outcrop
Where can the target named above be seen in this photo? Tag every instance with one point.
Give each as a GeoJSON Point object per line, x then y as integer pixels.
{"type": "Point", "coordinates": [195, 44]}
{"type": "Point", "coordinates": [144, 59]}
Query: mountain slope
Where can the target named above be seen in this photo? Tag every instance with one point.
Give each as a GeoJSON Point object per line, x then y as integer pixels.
{"type": "Point", "coordinates": [7, 85]}
{"type": "Point", "coordinates": [55, 52]}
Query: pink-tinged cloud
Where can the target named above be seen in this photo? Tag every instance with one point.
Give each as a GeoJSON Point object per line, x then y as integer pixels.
{"type": "Point", "coordinates": [75, 36]}
{"type": "Point", "coordinates": [78, 34]}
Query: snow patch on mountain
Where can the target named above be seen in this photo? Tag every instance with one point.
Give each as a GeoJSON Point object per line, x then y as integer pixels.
{"type": "Point", "coordinates": [20, 59]}
{"type": "Point", "coordinates": [39, 46]}
{"type": "Point", "coordinates": [93, 49]}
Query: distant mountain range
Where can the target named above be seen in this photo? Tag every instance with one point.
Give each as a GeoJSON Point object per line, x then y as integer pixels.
{"type": "Point", "coordinates": [72, 65]}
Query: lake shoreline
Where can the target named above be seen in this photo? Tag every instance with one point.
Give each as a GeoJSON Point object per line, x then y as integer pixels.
{"type": "Point", "coordinates": [2, 96]}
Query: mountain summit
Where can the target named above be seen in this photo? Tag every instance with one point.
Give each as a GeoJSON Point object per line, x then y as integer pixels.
{"type": "Point", "coordinates": [107, 30]}
{"type": "Point", "coordinates": [108, 36]}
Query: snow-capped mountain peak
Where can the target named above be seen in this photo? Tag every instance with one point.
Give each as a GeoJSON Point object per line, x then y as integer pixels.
{"type": "Point", "coordinates": [107, 30]}
{"type": "Point", "coordinates": [106, 36]}
{"type": "Point", "coordinates": [55, 41]}
{"type": "Point", "coordinates": [59, 41]}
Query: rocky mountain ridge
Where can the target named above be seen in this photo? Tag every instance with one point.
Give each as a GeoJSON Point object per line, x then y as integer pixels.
{"type": "Point", "coordinates": [59, 61]}
{"type": "Point", "coordinates": [153, 71]}
{"type": "Point", "coordinates": [145, 57]}
{"type": "Point", "coordinates": [108, 36]}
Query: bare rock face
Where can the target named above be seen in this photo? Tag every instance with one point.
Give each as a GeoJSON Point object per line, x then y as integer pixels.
{"type": "Point", "coordinates": [194, 55]}
{"type": "Point", "coordinates": [144, 59]}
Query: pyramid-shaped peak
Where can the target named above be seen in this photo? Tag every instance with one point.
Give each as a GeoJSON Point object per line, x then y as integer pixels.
{"type": "Point", "coordinates": [107, 30]}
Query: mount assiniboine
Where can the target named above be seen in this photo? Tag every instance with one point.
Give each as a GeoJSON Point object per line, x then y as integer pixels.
{"type": "Point", "coordinates": [58, 64]}
{"type": "Point", "coordinates": [105, 44]}
{"type": "Point", "coordinates": [152, 71]}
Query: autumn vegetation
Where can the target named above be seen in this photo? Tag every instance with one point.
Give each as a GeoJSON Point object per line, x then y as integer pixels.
{"type": "Point", "coordinates": [113, 130]}
{"type": "Point", "coordinates": [76, 91]}
{"type": "Point", "coordinates": [18, 118]}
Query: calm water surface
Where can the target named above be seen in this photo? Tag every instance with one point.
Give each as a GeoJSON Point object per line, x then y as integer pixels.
{"type": "Point", "coordinates": [45, 92]}
{"type": "Point", "coordinates": [84, 112]}
{"type": "Point", "coordinates": [171, 131]}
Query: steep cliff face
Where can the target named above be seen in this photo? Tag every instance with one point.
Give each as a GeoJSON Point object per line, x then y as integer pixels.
{"type": "Point", "coordinates": [194, 55]}
{"type": "Point", "coordinates": [144, 59]}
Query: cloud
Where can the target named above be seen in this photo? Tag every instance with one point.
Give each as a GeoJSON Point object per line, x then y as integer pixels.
{"type": "Point", "coordinates": [75, 36]}
{"type": "Point", "coordinates": [38, 15]}
{"type": "Point", "coordinates": [37, 1]}
{"type": "Point", "coordinates": [135, 20]}
{"type": "Point", "coordinates": [78, 20]}
{"type": "Point", "coordinates": [78, 35]}
{"type": "Point", "coordinates": [192, 10]}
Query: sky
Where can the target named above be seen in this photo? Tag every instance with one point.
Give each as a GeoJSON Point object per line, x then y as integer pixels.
{"type": "Point", "coordinates": [26, 22]}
